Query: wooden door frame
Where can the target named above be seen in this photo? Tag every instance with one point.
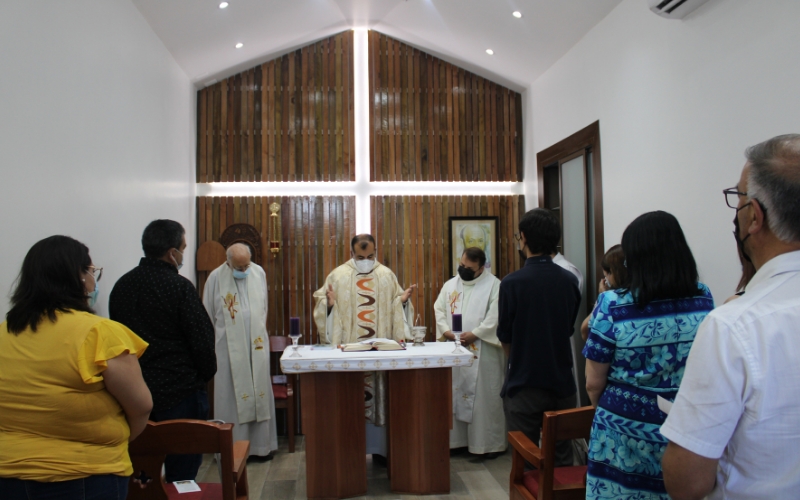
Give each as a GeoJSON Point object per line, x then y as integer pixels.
{"type": "Point", "coordinates": [586, 138]}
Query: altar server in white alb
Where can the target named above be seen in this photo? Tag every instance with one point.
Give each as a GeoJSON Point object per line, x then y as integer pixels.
{"type": "Point", "coordinates": [235, 297]}
{"type": "Point", "coordinates": [478, 419]}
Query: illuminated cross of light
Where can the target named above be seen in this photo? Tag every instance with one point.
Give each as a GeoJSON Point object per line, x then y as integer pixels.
{"type": "Point", "coordinates": [362, 188]}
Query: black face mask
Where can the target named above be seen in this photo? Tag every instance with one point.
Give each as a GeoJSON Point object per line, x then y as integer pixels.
{"type": "Point", "coordinates": [740, 242]}
{"type": "Point", "coordinates": [466, 273]}
{"type": "Point", "coordinates": [522, 255]}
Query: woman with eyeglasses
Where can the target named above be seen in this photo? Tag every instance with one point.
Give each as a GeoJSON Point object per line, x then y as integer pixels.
{"type": "Point", "coordinates": [71, 391]}
{"type": "Point", "coordinates": [639, 339]}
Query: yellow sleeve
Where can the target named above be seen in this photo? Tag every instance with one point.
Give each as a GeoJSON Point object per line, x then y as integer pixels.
{"type": "Point", "coordinates": [106, 340]}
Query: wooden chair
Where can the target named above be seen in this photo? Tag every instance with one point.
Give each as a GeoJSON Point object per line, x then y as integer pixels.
{"type": "Point", "coordinates": [169, 437]}
{"type": "Point", "coordinates": [549, 482]}
{"type": "Point", "coordinates": [282, 387]}
{"type": "Point", "coordinates": [210, 255]}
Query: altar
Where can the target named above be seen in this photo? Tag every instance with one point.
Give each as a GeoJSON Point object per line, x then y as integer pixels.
{"type": "Point", "coordinates": [419, 416]}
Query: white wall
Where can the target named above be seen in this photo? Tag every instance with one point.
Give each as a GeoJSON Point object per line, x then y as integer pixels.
{"type": "Point", "coordinates": [678, 102]}
{"type": "Point", "coordinates": [96, 133]}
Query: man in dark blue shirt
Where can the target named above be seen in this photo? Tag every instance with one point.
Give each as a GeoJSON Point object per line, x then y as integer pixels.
{"type": "Point", "coordinates": [165, 310]}
{"type": "Point", "coordinates": [537, 308]}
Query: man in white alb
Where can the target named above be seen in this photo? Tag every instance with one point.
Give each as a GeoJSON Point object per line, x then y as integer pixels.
{"type": "Point", "coordinates": [478, 419]}
{"type": "Point", "coordinates": [235, 297]}
{"type": "Point", "coordinates": [733, 429]}
{"type": "Point", "coordinates": [362, 299]}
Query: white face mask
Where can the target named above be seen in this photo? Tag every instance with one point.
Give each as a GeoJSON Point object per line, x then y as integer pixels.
{"type": "Point", "coordinates": [364, 266]}
{"type": "Point", "coordinates": [179, 266]}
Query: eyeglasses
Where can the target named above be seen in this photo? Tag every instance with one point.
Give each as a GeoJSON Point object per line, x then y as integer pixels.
{"type": "Point", "coordinates": [96, 272]}
{"type": "Point", "coordinates": [732, 196]}
{"type": "Point", "coordinates": [517, 236]}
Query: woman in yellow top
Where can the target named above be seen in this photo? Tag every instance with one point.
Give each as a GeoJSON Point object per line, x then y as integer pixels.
{"type": "Point", "coordinates": [71, 390]}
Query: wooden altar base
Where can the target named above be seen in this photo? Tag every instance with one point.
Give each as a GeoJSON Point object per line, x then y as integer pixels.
{"type": "Point", "coordinates": [336, 444]}
{"type": "Point", "coordinates": [420, 417]}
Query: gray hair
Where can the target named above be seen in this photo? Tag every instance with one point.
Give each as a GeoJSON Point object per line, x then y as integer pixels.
{"type": "Point", "coordinates": [229, 252]}
{"type": "Point", "coordinates": [774, 180]}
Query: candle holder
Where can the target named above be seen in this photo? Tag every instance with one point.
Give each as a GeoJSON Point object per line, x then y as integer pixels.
{"type": "Point", "coordinates": [295, 338]}
{"type": "Point", "coordinates": [457, 336]}
{"type": "Point", "coordinates": [294, 334]}
{"type": "Point", "coordinates": [275, 240]}
{"type": "Point", "coordinates": [456, 329]}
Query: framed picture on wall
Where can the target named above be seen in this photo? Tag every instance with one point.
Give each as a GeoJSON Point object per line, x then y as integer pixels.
{"type": "Point", "coordinates": [478, 232]}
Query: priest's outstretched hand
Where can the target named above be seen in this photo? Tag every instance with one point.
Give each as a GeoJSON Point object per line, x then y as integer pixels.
{"type": "Point", "coordinates": [406, 293]}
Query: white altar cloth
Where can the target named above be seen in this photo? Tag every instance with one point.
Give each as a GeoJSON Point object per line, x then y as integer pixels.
{"type": "Point", "coordinates": [325, 358]}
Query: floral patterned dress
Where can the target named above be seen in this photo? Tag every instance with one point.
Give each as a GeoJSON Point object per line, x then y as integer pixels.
{"type": "Point", "coordinates": [647, 350]}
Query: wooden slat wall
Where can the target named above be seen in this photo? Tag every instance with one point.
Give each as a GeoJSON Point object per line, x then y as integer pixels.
{"type": "Point", "coordinates": [289, 119]}
{"type": "Point", "coordinates": [316, 239]}
{"type": "Point", "coordinates": [412, 234]}
{"type": "Point", "coordinates": [433, 121]}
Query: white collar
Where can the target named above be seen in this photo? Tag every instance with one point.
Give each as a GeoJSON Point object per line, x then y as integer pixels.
{"type": "Point", "coordinates": [783, 263]}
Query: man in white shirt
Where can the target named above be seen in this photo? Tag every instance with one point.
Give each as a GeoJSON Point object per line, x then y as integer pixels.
{"type": "Point", "coordinates": [569, 266]}
{"type": "Point", "coordinates": [733, 429]}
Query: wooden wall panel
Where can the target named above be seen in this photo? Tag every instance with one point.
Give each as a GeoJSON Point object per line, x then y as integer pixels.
{"type": "Point", "coordinates": [316, 233]}
{"type": "Point", "coordinates": [289, 119]}
{"type": "Point", "coordinates": [433, 121]}
{"type": "Point", "coordinates": [412, 233]}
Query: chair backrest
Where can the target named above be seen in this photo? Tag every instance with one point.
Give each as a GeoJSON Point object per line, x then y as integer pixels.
{"type": "Point", "coordinates": [562, 425]}
{"type": "Point", "coordinates": [574, 423]}
{"type": "Point", "coordinates": [184, 436]}
{"type": "Point", "coordinates": [210, 256]}
{"type": "Point", "coordinates": [278, 343]}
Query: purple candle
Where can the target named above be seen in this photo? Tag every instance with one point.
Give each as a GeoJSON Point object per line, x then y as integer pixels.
{"type": "Point", "coordinates": [294, 327]}
{"type": "Point", "coordinates": [456, 322]}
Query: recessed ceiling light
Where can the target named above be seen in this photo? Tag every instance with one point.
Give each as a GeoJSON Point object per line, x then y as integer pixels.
{"type": "Point", "coordinates": [239, 45]}
{"type": "Point", "coordinates": [517, 14]}
{"type": "Point", "coordinates": [489, 51]}
{"type": "Point", "coordinates": [223, 5]}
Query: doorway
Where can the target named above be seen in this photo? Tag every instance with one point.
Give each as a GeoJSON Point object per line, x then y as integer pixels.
{"type": "Point", "coordinates": [570, 184]}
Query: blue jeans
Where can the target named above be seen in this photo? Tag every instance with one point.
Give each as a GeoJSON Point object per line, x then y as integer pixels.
{"type": "Point", "coordinates": [183, 467]}
{"type": "Point", "coordinates": [106, 487]}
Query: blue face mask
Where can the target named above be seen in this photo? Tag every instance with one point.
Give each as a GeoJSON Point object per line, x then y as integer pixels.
{"type": "Point", "coordinates": [240, 275]}
{"type": "Point", "coordinates": [92, 296]}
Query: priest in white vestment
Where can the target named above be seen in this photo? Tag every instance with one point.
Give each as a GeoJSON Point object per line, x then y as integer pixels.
{"type": "Point", "coordinates": [362, 299]}
{"type": "Point", "coordinates": [478, 419]}
{"type": "Point", "coordinates": [235, 297]}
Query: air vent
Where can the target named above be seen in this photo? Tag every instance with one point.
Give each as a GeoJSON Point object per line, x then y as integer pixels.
{"type": "Point", "coordinates": [674, 9]}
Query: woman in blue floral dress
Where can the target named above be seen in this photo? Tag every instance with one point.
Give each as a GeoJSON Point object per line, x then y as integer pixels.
{"type": "Point", "coordinates": [639, 339]}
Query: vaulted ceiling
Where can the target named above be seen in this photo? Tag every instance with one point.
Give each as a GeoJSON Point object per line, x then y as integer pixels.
{"type": "Point", "coordinates": [202, 37]}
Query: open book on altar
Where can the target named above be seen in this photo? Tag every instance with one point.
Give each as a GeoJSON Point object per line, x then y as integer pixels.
{"type": "Point", "coordinates": [373, 345]}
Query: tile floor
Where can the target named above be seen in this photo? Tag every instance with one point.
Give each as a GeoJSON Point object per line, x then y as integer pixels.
{"type": "Point", "coordinates": [284, 477]}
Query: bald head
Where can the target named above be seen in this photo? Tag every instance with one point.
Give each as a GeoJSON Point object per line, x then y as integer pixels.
{"type": "Point", "coordinates": [238, 256]}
